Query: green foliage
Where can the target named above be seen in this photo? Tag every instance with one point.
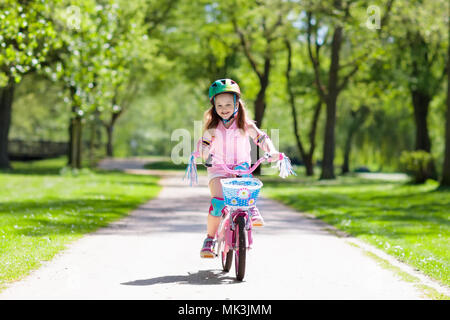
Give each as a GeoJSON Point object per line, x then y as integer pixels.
{"type": "Point", "coordinates": [40, 112]}
{"type": "Point", "coordinates": [27, 36]}
{"type": "Point", "coordinates": [418, 164]}
{"type": "Point", "coordinates": [89, 67]}
{"type": "Point", "coordinates": [152, 62]}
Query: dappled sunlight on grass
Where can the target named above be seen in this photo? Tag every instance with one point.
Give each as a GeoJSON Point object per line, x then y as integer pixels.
{"type": "Point", "coordinates": [44, 206]}
{"type": "Point", "coordinates": [411, 222]}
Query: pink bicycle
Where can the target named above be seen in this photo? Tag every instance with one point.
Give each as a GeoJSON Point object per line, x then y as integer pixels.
{"type": "Point", "coordinates": [240, 193]}
{"type": "Point", "coordinates": [235, 230]}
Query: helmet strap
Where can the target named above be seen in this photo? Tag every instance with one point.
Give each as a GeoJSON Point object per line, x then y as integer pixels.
{"type": "Point", "coordinates": [225, 121]}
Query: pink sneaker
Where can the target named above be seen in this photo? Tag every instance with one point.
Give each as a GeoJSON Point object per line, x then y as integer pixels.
{"type": "Point", "coordinates": [208, 248]}
{"type": "Point", "coordinates": [257, 220]}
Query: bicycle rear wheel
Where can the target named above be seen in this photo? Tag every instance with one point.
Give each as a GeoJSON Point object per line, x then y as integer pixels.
{"type": "Point", "coordinates": [240, 252]}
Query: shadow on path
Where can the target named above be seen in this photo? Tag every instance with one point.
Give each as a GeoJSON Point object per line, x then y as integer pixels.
{"type": "Point", "coordinates": [202, 277]}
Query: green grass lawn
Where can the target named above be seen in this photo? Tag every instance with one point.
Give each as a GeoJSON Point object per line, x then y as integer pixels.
{"type": "Point", "coordinates": [43, 208]}
{"type": "Point", "coordinates": [410, 222]}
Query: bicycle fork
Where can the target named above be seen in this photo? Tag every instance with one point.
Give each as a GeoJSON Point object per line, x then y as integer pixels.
{"type": "Point", "coordinates": [248, 228]}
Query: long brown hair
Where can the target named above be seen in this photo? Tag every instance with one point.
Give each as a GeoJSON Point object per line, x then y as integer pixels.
{"type": "Point", "coordinates": [211, 119]}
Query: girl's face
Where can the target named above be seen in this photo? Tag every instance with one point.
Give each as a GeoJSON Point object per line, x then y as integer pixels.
{"type": "Point", "coordinates": [224, 105]}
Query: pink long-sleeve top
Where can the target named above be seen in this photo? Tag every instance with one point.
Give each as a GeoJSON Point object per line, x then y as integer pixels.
{"type": "Point", "coordinates": [231, 145]}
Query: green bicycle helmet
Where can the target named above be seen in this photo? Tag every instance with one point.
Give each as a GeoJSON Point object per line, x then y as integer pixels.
{"type": "Point", "coordinates": [222, 86]}
{"type": "Point", "coordinates": [225, 86]}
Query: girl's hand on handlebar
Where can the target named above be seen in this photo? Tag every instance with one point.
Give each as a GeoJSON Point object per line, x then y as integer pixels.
{"type": "Point", "coordinates": [208, 162]}
{"type": "Point", "coordinates": [273, 157]}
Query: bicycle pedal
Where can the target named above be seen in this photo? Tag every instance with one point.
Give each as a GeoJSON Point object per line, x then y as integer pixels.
{"type": "Point", "coordinates": [257, 224]}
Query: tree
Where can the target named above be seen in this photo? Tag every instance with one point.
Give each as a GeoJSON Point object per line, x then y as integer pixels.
{"type": "Point", "coordinates": [26, 37]}
{"type": "Point", "coordinates": [258, 24]}
{"type": "Point", "coordinates": [419, 55]}
{"type": "Point", "coordinates": [261, 23]}
{"type": "Point", "coordinates": [86, 69]}
{"type": "Point", "coordinates": [329, 94]}
{"type": "Point", "coordinates": [307, 155]}
{"type": "Point", "coordinates": [135, 49]}
{"type": "Point", "coordinates": [340, 18]}
{"type": "Point", "coordinates": [94, 66]}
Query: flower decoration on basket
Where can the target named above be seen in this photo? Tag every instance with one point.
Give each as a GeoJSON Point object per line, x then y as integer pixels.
{"type": "Point", "coordinates": [234, 201]}
{"type": "Point", "coordinates": [243, 193]}
{"type": "Point", "coordinates": [251, 202]}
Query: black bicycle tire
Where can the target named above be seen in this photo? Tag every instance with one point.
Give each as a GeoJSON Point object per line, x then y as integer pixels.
{"type": "Point", "coordinates": [240, 253]}
{"type": "Point", "coordinates": [226, 265]}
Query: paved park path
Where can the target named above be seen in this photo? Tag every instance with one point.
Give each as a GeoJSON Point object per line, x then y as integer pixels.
{"type": "Point", "coordinates": [154, 254]}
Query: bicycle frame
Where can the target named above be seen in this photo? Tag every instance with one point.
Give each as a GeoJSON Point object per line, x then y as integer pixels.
{"type": "Point", "coordinates": [226, 234]}
{"type": "Point", "coordinates": [227, 227]}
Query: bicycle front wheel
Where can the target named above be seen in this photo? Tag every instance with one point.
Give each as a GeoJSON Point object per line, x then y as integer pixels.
{"type": "Point", "coordinates": [227, 259]}
{"type": "Point", "coordinates": [240, 252]}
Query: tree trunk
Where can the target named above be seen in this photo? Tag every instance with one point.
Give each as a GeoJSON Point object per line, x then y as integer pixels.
{"type": "Point", "coordinates": [333, 92]}
{"type": "Point", "coordinates": [92, 139]}
{"type": "Point", "coordinates": [309, 164]}
{"type": "Point", "coordinates": [75, 143]}
{"type": "Point", "coordinates": [79, 142]}
{"type": "Point", "coordinates": [445, 181]}
{"type": "Point", "coordinates": [109, 143]}
{"type": "Point", "coordinates": [421, 102]}
{"type": "Point", "coordinates": [6, 100]}
{"type": "Point", "coordinates": [110, 131]}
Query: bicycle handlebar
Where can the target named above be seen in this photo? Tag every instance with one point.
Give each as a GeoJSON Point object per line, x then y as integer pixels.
{"type": "Point", "coordinates": [282, 163]}
{"type": "Point", "coordinates": [267, 157]}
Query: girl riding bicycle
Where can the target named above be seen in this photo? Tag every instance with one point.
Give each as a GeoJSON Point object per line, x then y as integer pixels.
{"type": "Point", "coordinates": [226, 135]}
